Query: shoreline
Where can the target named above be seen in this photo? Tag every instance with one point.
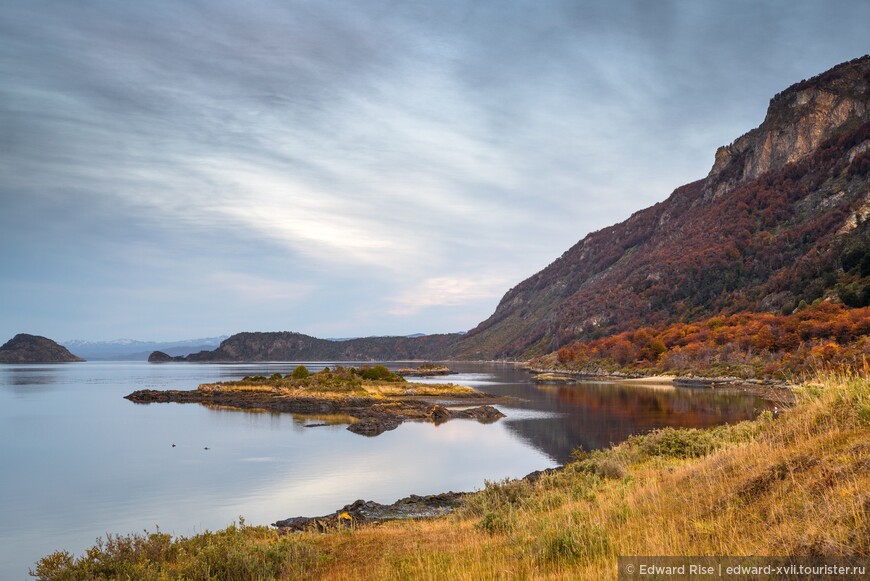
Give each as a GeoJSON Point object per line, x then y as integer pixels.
{"type": "Point", "coordinates": [779, 392]}
{"type": "Point", "coordinates": [411, 507]}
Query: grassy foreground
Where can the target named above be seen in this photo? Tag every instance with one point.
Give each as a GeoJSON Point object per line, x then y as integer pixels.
{"type": "Point", "coordinates": [795, 485]}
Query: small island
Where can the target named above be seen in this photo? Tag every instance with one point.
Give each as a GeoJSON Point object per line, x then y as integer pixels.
{"type": "Point", "coordinates": [373, 399]}
{"type": "Point", "coordinates": [424, 370]}
{"type": "Point", "coordinates": [24, 348]}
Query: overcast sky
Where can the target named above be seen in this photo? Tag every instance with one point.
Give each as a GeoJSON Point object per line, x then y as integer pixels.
{"type": "Point", "coordinates": [182, 169]}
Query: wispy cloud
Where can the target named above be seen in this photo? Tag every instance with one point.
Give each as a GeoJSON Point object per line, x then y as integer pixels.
{"type": "Point", "coordinates": [255, 289]}
{"type": "Point", "coordinates": [445, 291]}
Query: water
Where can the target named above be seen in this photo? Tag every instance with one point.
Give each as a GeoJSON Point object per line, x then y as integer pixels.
{"type": "Point", "coordinates": [79, 461]}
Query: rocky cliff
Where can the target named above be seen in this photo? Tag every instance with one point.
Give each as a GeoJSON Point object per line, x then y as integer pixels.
{"type": "Point", "coordinates": [23, 348]}
{"type": "Point", "coordinates": [774, 223]}
{"type": "Point", "coordinates": [798, 121]}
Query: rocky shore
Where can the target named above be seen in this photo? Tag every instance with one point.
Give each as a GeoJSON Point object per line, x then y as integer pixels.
{"type": "Point", "coordinates": [772, 390]}
{"type": "Point", "coordinates": [370, 512]}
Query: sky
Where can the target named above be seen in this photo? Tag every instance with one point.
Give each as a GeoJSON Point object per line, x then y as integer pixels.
{"type": "Point", "coordinates": [179, 169]}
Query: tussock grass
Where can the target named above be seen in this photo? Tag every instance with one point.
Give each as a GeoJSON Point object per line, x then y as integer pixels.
{"type": "Point", "coordinates": [798, 484]}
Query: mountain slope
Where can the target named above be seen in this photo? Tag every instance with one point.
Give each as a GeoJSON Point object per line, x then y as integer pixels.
{"type": "Point", "coordinates": [780, 218]}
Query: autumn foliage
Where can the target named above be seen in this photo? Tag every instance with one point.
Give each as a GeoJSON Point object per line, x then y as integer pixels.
{"type": "Point", "coordinates": [745, 344]}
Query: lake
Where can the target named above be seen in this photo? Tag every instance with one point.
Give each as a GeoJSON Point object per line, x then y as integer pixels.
{"type": "Point", "coordinates": [79, 461]}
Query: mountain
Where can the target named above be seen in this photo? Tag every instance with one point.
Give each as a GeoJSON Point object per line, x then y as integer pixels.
{"type": "Point", "coordinates": [781, 218]}
{"type": "Point", "coordinates": [133, 350]}
{"type": "Point", "coordinates": [287, 346]}
{"type": "Point", "coordinates": [23, 348]}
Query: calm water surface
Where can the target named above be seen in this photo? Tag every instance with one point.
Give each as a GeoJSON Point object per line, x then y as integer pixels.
{"type": "Point", "coordinates": [79, 461]}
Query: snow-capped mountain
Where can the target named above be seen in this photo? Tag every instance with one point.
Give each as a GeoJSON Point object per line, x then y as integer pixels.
{"type": "Point", "coordinates": [134, 350]}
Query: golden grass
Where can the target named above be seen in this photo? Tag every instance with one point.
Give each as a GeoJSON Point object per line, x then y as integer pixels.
{"type": "Point", "coordinates": [795, 485]}
{"type": "Point", "coordinates": [419, 390]}
{"type": "Point", "coordinates": [360, 389]}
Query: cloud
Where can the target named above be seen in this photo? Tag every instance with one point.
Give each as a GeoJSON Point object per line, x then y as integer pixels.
{"type": "Point", "coordinates": [254, 289]}
{"type": "Point", "coordinates": [445, 291]}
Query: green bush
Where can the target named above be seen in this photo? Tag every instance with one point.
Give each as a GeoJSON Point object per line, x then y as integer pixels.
{"type": "Point", "coordinates": [378, 373]}
{"type": "Point", "coordinates": [498, 497]}
{"type": "Point", "coordinates": [674, 443]}
{"type": "Point", "coordinates": [301, 372]}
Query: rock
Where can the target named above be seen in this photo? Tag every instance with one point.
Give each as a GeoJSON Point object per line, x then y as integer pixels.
{"type": "Point", "coordinates": [485, 414]}
{"type": "Point", "coordinates": [438, 414]}
{"type": "Point", "coordinates": [368, 511]}
{"type": "Point", "coordinates": [533, 477]}
{"type": "Point", "coordinates": [23, 348]}
{"type": "Point", "coordinates": [375, 425]}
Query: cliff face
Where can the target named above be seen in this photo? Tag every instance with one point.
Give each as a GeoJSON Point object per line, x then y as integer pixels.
{"type": "Point", "coordinates": [25, 348]}
{"type": "Point", "coordinates": [798, 121]}
{"type": "Point", "coordinates": [766, 228]}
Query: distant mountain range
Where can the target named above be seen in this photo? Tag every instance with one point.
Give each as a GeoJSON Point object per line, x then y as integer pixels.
{"type": "Point", "coordinates": [132, 350]}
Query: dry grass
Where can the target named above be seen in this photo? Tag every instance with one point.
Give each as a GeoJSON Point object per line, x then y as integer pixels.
{"type": "Point", "coordinates": [796, 485]}
{"type": "Point", "coordinates": [360, 389]}
{"type": "Point", "coordinates": [419, 390]}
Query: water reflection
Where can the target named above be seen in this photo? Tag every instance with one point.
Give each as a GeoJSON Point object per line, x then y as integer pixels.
{"type": "Point", "coordinates": [596, 415]}
{"type": "Point", "coordinates": [22, 375]}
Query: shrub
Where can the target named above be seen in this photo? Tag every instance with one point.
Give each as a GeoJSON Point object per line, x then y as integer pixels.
{"type": "Point", "coordinates": [498, 497]}
{"type": "Point", "coordinates": [301, 372]}
{"type": "Point", "coordinates": [497, 522]}
{"type": "Point", "coordinates": [237, 552]}
{"type": "Point", "coordinates": [378, 373]}
{"type": "Point", "coordinates": [566, 545]}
